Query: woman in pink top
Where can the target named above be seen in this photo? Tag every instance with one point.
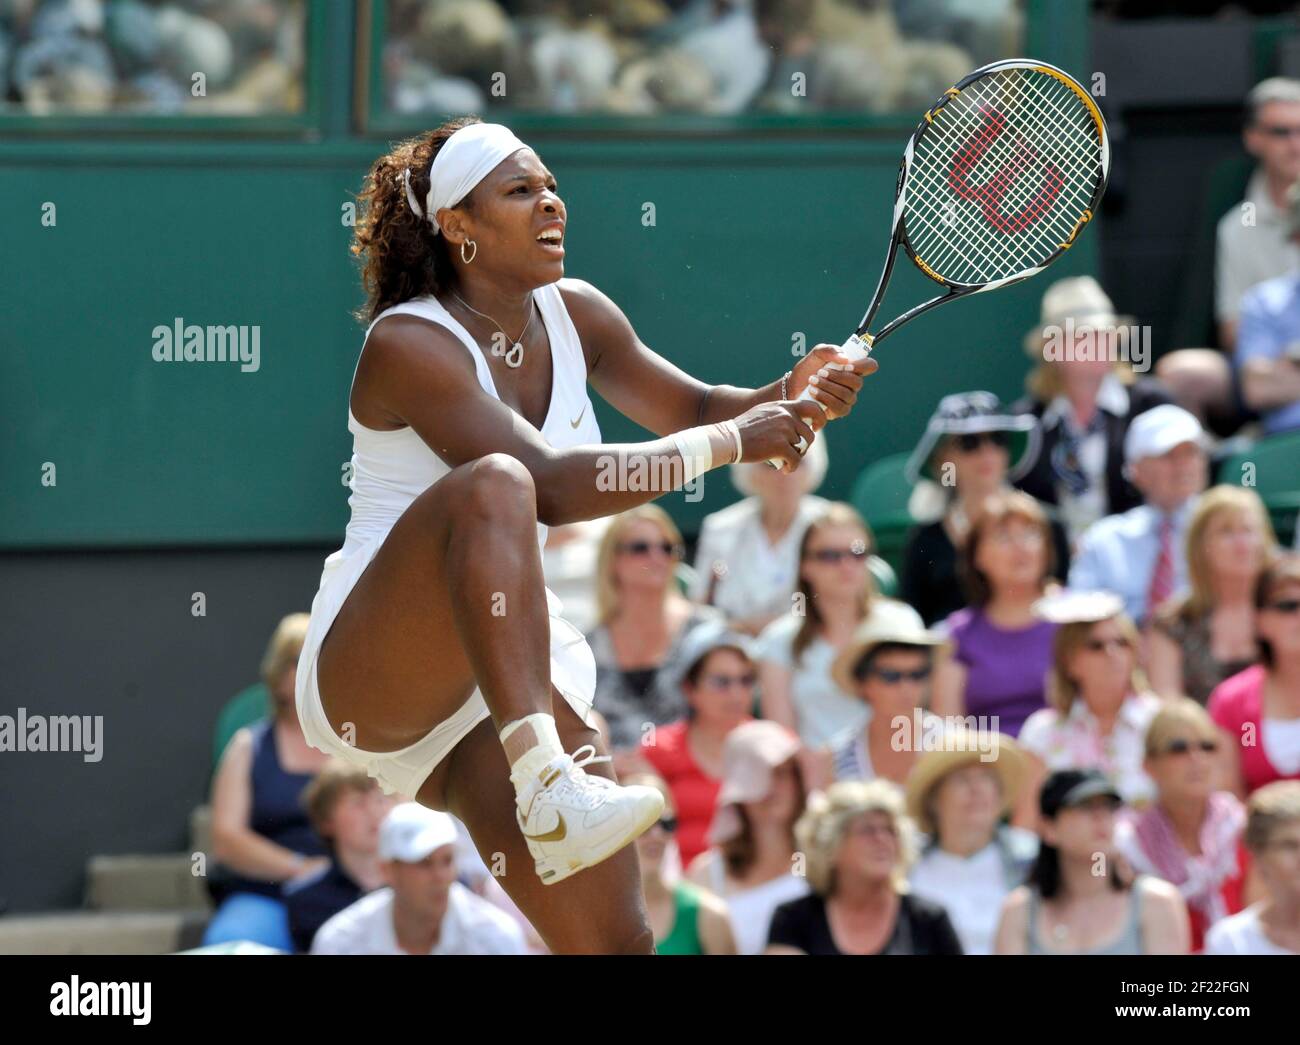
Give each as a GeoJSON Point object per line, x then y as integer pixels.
{"type": "Point", "coordinates": [1259, 709]}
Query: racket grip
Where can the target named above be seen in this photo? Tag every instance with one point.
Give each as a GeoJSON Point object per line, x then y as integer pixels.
{"type": "Point", "coordinates": [854, 348]}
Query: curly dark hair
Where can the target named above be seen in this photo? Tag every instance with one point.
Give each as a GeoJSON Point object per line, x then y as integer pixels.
{"type": "Point", "coordinates": [401, 258]}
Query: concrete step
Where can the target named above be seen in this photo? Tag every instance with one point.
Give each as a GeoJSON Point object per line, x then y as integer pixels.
{"type": "Point", "coordinates": [98, 932]}
{"type": "Point", "coordinates": [144, 882]}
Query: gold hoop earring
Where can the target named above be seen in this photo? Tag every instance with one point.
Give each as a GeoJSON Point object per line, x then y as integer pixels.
{"type": "Point", "coordinates": [473, 254]}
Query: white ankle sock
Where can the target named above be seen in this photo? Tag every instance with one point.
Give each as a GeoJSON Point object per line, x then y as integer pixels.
{"type": "Point", "coordinates": [526, 769]}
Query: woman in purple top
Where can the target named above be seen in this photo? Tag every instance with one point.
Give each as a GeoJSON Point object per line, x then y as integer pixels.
{"type": "Point", "coordinates": [1001, 651]}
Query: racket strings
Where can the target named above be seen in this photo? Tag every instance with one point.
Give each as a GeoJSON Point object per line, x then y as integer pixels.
{"type": "Point", "coordinates": [1002, 177]}
{"type": "Point", "coordinates": [990, 254]}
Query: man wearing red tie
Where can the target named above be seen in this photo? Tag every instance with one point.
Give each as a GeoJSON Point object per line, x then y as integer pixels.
{"type": "Point", "coordinates": [1139, 554]}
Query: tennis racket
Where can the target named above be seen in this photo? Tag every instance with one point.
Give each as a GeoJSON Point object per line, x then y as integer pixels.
{"type": "Point", "coordinates": [997, 181]}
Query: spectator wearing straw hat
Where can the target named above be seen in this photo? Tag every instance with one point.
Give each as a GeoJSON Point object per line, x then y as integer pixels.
{"type": "Point", "coordinates": [887, 665]}
{"type": "Point", "coordinates": [1139, 554]}
{"type": "Point", "coordinates": [718, 679]}
{"type": "Point", "coordinates": [1100, 705]}
{"type": "Point", "coordinates": [1273, 838]}
{"type": "Point", "coordinates": [1085, 397]}
{"type": "Point", "coordinates": [859, 844]}
{"type": "Point", "coordinates": [1076, 901]}
{"type": "Point", "coordinates": [971, 858]}
{"type": "Point", "coordinates": [751, 860]}
{"type": "Point", "coordinates": [1190, 835]}
{"type": "Point", "coordinates": [424, 909]}
{"type": "Point", "coordinates": [747, 558]}
{"type": "Point", "coordinates": [970, 450]}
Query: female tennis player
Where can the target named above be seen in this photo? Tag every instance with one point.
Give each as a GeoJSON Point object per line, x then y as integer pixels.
{"type": "Point", "coordinates": [436, 654]}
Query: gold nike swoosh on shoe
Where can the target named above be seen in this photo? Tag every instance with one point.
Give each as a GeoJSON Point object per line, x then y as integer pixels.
{"type": "Point", "coordinates": [574, 424]}
{"type": "Point", "coordinates": [556, 833]}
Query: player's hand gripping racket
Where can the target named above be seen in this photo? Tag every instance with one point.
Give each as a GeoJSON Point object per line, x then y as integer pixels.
{"type": "Point", "coordinates": [996, 182]}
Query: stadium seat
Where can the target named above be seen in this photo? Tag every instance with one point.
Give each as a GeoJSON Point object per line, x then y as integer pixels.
{"type": "Point", "coordinates": [880, 493]}
{"type": "Point", "coordinates": [1272, 467]}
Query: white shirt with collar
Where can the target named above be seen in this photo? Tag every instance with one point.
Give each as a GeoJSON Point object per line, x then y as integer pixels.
{"type": "Point", "coordinates": [1077, 513]}
{"type": "Point", "coordinates": [1119, 554]}
{"type": "Point", "coordinates": [1074, 741]}
{"type": "Point", "coordinates": [470, 926]}
{"type": "Point", "coordinates": [759, 576]}
{"type": "Point", "coordinates": [1249, 254]}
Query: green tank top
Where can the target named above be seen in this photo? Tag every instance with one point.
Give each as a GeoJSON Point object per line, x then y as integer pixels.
{"type": "Point", "coordinates": [685, 935]}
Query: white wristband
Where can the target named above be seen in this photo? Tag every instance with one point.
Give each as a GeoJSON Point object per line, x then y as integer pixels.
{"type": "Point", "coordinates": [696, 450]}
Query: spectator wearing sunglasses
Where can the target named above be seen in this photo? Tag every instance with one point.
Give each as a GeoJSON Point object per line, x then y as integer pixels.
{"type": "Point", "coordinates": [1066, 906]}
{"type": "Point", "coordinates": [718, 679]}
{"type": "Point", "coordinates": [1100, 706]}
{"type": "Point", "coordinates": [643, 618]}
{"type": "Point", "coordinates": [1258, 709]}
{"type": "Point", "coordinates": [887, 665]}
{"type": "Point", "coordinates": [752, 857]}
{"type": "Point", "coordinates": [1253, 239]}
{"type": "Point", "coordinates": [685, 918]}
{"type": "Point", "coordinates": [1201, 638]}
{"type": "Point", "coordinates": [970, 450]}
{"type": "Point", "coordinates": [1085, 394]}
{"type": "Point", "coordinates": [860, 844]}
{"type": "Point", "coordinates": [1273, 838]}
{"type": "Point", "coordinates": [747, 559]}
{"type": "Point", "coordinates": [961, 797]}
{"type": "Point", "coordinates": [1001, 650]}
{"type": "Point", "coordinates": [1191, 834]}
{"type": "Point", "coordinates": [836, 594]}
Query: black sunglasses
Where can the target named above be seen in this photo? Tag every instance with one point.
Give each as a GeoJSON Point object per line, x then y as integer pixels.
{"type": "Point", "coordinates": [668, 823]}
{"type": "Point", "coordinates": [1285, 606]}
{"type": "Point", "coordinates": [1182, 747]}
{"type": "Point", "coordinates": [645, 547]}
{"type": "Point", "coordinates": [835, 555]}
{"type": "Point", "coordinates": [972, 441]}
{"type": "Point", "coordinates": [892, 676]}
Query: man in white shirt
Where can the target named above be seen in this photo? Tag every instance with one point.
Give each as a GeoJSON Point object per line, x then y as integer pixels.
{"type": "Point", "coordinates": [1254, 242]}
{"type": "Point", "coordinates": [1138, 554]}
{"type": "Point", "coordinates": [424, 910]}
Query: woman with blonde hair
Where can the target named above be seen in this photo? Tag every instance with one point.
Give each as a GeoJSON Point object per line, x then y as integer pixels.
{"type": "Point", "coordinates": [1190, 835]}
{"type": "Point", "coordinates": [1201, 638]}
{"type": "Point", "coordinates": [859, 844]}
{"type": "Point", "coordinates": [261, 833]}
{"type": "Point", "coordinates": [1001, 650]}
{"type": "Point", "coordinates": [642, 620]}
{"type": "Point", "coordinates": [747, 558]}
{"type": "Point", "coordinates": [796, 651]}
{"type": "Point", "coordinates": [1101, 707]}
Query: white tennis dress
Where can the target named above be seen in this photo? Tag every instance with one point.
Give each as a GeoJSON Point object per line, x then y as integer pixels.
{"type": "Point", "coordinates": [391, 469]}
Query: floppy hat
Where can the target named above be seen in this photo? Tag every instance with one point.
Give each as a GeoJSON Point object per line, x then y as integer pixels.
{"type": "Point", "coordinates": [888, 621]}
{"type": "Point", "coordinates": [1078, 299]}
{"type": "Point", "coordinates": [962, 748]}
{"type": "Point", "coordinates": [1078, 607]}
{"type": "Point", "coordinates": [749, 755]}
{"type": "Point", "coordinates": [970, 413]}
{"type": "Point", "coordinates": [702, 640]}
{"type": "Point", "coordinates": [410, 832]}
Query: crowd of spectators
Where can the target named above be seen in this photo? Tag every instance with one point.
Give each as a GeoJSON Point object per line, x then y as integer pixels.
{"type": "Point", "coordinates": [228, 57]}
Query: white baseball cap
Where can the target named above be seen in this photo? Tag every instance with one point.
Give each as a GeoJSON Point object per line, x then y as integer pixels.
{"type": "Point", "coordinates": [410, 832]}
{"type": "Point", "coordinates": [1158, 430]}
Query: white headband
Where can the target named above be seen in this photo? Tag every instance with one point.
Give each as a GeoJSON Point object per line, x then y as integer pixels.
{"type": "Point", "coordinates": [464, 160]}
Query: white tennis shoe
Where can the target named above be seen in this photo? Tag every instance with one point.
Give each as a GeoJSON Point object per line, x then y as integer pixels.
{"type": "Point", "coordinates": [573, 820]}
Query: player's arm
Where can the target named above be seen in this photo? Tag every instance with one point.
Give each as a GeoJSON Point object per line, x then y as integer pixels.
{"type": "Point", "coordinates": [642, 385]}
{"type": "Point", "coordinates": [417, 373]}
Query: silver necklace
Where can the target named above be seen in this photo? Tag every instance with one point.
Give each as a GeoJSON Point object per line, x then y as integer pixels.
{"type": "Point", "coordinates": [515, 357]}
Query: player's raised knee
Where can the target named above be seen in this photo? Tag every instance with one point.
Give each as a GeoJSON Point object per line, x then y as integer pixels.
{"type": "Point", "coordinates": [499, 487]}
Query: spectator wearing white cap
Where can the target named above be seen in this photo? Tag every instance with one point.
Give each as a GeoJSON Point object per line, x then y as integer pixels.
{"type": "Point", "coordinates": [751, 862]}
{"type": "Point", "coordinates": [424, 910]}
{"type": "Point", "coordinates": [747, 558]}
{"type": "Point", "coordinates": [1139, 554]}
{"type": "Point", "coordinates": [1085, 394]}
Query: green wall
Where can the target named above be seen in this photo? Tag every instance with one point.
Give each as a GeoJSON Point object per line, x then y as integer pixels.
{"type": "Point", "coordinates": [758, 235]}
